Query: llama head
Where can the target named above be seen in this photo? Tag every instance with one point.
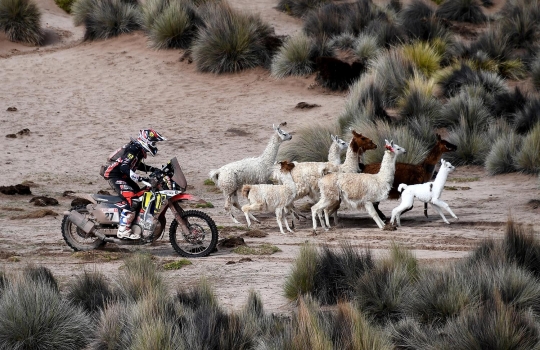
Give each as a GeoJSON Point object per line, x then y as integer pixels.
{"type": "Point", "coordinates": [360, 143]}
{"type": "Point", "coordinates": [446, 166]}
{"type": "Point", "coordinates": [284, 136]}
{"type": "Point", "coordinates": [445, 146]}
{"type": "Point", "coordinates": [342, 145]}
{"type": "Point", "coordinates": [286, 166]}
{"type": "Point", "coordinates": [394, 148]}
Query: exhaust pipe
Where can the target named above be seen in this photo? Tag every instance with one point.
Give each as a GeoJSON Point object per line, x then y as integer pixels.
{"type": "Point", "coordinates": [84, 224]}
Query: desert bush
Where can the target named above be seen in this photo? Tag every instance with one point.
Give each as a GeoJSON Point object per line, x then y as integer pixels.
{"type": "Point", "coordinates": [366, 47]}
{"type": "Point", "coordinates": [425, 58]}
{"type": "Point", "coordinates": [298, 8]}
{"type": "Point", "coordinates": [493, 326]}
{"type": "Point", "coordinates": [197, 296]}
{"type": "Point", "coordinates": [150, 11]}
{"type": "Point", "coordinates": [140, 278]}
{"type": "Point", "coordinates": [310, 144]}
{"type": "Point", "coordinates": [389, 34]}
{"type": "Point", "coordinates": [300, 279]}
{"type": "Point", "coordinates": [91, 291]}
{"type": "Point", "coordinates": [65, 4]}
{"type": "Point", "coordinates": [112, 329]}
{"type": "Point", "coordinates": [364, 103]}
{"type": "Point", "coordinates": [337, 273]}
{"type": "Point", "coordinates": [175, 27]}
{"type": "Point", "coordinates": [81, 9]}
{"type": "Point", "coordinates": [21, 21]}
{"type": "Point", "coordinates": [231, 41]}
{"type": "Point", "coordinates": [461, 10]}
{"type": "Point", "coordinates": [109, 18]}
{"type": "Point", "coordinates": [506, 104]}
{"type": "Point", "coordinates": [418, 99]}
{"type": "Point", "coordinates": [521, 28]}
{"type": "Point", "coordinates": [308, 327]}
{"type": "Point", "coordinates": [423, 128]}
{"type": "Point", "coordinates": [438, 296]}
{"type": "Point", "coordinates": [500, 158]}
{"type": "Point", "coordinates": [535, 72]}
{"type": "Point", "coordinates": [464, 106]}
{"type": "Point", "coordinates": [521, 247]}
{"type": "Point", "coordinates": [419, 22]}
{"type": "Point", "coordinates": [392, 70]}
{"type": "Point", "coordinates": [408, 333]}
{"type": "Point", "coordinates": [342, 41]}
{"type": "Point", "coordinates": [294, 57]}
{"type": "Point", "coordinates": [527, 116]}
{"type": "Point", "coordinates": [360, 14]}
{"type": "Point", "coordinates": [471, 144]}
{"type": "Point", "coordinates": [528, 158]}
{"type": "Point", "coordinates": [34, 316]}
{"type": "Point", "coordinates": [41, 274]}
{"type": "Point", "coordinates": [350, 329]}
{"type": "Point", "coordinates": [327, 21]}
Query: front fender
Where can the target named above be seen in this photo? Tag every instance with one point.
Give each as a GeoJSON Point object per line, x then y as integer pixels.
{"type": "Point", "coordinates": [185, 197]}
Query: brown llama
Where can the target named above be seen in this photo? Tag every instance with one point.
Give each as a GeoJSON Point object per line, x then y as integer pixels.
{"type": "Point", "coordinates": [335, 74]}
{"type": "Point", "coordinates": [412, 174]}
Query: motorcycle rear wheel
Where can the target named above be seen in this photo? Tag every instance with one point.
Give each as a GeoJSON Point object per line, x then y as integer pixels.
{"type": "Point", "coordinates": [76, 238]}
{"type": "Point", "coordinates": [201, 239]}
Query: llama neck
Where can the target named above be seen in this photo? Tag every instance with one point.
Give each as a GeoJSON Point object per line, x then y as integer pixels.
{"type": "Point", "coordinates": [334, 154]}
{"type": "Point", "coordinates": [440, 180]}
{"type": "Point", "coordinates": [388, 167]}
{"type": "Point", "coordinates": [287, 180]}
{"type": "Point", "coordinates": [350, 165]}
{"type": "Point", "coordinates": [431, 160]}
{"type": "Point", "coordinates": [270, 152]}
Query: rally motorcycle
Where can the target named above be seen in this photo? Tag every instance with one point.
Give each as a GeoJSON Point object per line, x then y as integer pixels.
{"type": "Point", "coordinates": [192, 233]}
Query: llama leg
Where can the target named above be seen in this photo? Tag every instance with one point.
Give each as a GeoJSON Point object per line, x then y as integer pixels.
{"type": "Point", "coordinates": [445, 206]}
{"type": "Point", "coordinates": [379, 213]}
{"type": "Point", "coordinates": [245, 209]}
{"type": "Point", "coordinates": [228, 209]}
{"type": "Point", "coordinates": [439, 210]}
{"type": "Point", "coordinates": [285, 219]}
{"type": "Point", "coordinates": [373, 213]}
{"type": "Point", "coordinates": [279, 215]}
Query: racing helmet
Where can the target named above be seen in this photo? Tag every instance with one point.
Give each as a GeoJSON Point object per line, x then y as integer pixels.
{"type": "Point", "coordinates": [148, 139]}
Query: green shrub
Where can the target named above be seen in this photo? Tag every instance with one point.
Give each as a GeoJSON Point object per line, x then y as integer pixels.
{"type": "Point", "coordinates": [527, 116]}
{"type": "Point", "coordinates": [342, 41]}
{"type": "Point", "coordinates": [175, 27]}
{"type": "Point", "coordinates": [366, 47]}
{"type": "Point", "coordinates": [470, 140]}
{"type": "Point", "coordinates": [230, 41]}
{"type": "Point", "coordinates": [327, 21]}
{"type": "Point", "coordinates": [500, 158]}
{"type": "Point", "coordinates": [34, 316]}
{"type": "Point", "coordinates": [110, 18]}
{"type": "Point", "coordinates": [392, 72]}
{"type": "Point", "coordinates": [21, 21]}
{"type": "Point", "coordinates": [294, 57]}
{"type": "Point", "coordinates": [310, 144]}
{"type": "Point", "coordinates": [41, 274]}
{"type": "Point", "coordinates": [81, 9]}
{"type": "Point", "coordinates": [462, 11]}
{"type": "Point", "coordinates": [426, 58]}
{"type": "Point", "coordinates": [140, 278]}
{"type": "Point", "coordinates": [299, 8]}
{"type": "Point", "coordinates": [300, 280]}
{"type": "Point", "coordinates": [91, 291]}
{"type": "Point", "coordinates": [65, 4]}
{"type": "Point", "coordinates": [528, 157]}
{"type": "Point", "coordinates": [464, 106]}
{"type": "Point", "coordinates": [418, 99]}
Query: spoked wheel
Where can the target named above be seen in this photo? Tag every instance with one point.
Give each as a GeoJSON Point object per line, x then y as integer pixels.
{"type": "Point", "coordinates": [201, 238]}
{"type": "Point", "coordinates": [76, 238]}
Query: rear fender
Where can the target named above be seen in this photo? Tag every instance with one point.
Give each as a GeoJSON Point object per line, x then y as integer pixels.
{"type": "Point", "coordinates": [184, 197]}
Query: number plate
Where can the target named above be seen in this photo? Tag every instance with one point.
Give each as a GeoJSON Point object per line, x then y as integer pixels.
{"type": "Point", "coordinates": [111, 214]}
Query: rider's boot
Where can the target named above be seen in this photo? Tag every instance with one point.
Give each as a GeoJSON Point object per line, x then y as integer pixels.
{"type": "Point", "coordinates": [124, 226]}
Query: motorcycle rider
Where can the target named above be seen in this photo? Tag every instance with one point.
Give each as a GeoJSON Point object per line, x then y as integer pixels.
{"type": "Point", "coordinates": [123, 179]}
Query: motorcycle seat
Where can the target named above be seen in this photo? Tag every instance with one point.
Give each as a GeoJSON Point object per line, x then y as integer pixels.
{"type": "Point", "coordinates": [107, 198]}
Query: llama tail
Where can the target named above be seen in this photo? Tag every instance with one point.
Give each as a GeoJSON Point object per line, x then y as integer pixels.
{"type": "Point", "coordinates": [401, 187]}
{"type": "Point", "coordinates": [214, 175]}
{"type": "Point", "coordinates": [245, 190]}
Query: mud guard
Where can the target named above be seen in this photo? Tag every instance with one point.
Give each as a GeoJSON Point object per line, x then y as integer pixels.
{"type": "Point", "coordinates": [185, 197]}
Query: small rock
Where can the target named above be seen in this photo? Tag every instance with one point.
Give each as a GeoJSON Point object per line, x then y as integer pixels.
{"type": "Point", "coordinates": [12, 109]}
{"type": "Point", "coordinates": [245, 260]}
{"type": "Point", "coordinates": [231, 242]}
{"type": "Point", "coordinates": [43, 201]}
{"type": "Point", "coordinates": [77, 202]}
{"type": "Point", "coordinates": [24, 131]}
{"type": "Point", "coordinates": [67, 193]}
{"type": "Point", "coordinates": [305, 105]}
{"type": "Point", "coordinates": [17, 189]}
{"type": "Point", "coordinates": [230, 262]}
{"type": "Point", "coordinates": [11, 136]}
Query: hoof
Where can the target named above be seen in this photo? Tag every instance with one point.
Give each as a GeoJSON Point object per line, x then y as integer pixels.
{"type": "Point", "coordinates": [389, 227]}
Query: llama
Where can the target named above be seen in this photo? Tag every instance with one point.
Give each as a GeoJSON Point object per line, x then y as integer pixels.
{"type": "Point", "coordinates": [230, 177]}
{"type": "Point", "coordinates": [358, 145]}
{"type": "Point", "coordinates": [272, 197]}
{"type": "Point", "coordinates": [336, 74]}
{"type": "Point", "coordinates": [429, 192]}
{"type": "Point", "coordinates": [337, 148]}
{"type": "Point", "coordinates": [358, 189]}
{"type": "Point", "coordinates": [412, 174]}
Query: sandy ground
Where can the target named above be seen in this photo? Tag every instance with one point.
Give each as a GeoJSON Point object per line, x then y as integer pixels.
{"type": "Point", "coordinates": [81, 101]}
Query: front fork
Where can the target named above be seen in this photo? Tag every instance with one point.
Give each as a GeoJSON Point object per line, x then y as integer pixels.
{"type": "Point", "coordinates": [177, 211]}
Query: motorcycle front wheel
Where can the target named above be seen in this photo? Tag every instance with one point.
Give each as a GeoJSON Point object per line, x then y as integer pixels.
{"type": "Point", "coordinates": [76, 238]}
{"type": "Point", "coordinates": [199, 240]}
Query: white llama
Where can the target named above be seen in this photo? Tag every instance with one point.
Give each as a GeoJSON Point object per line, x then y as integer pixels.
{"type": "Point", "coordinates": [266, 197]}
{"type": "Point", "coordinates": [429, 192]}
{"type": "Point", "coordinates": [337, 148]}
{"type": "Point", "coordinates": [230, 177]}
{"type": "Point", "coordinates": [358, 189]}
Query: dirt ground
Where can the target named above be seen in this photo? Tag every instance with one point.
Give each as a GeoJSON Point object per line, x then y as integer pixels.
{"type": "Point", "coordinates": [80, 101]}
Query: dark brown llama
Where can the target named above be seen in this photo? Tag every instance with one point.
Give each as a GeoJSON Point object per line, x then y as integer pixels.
{"type": "Point", "coordinates": [412, 174]}
{"type": "Point", "coordinates": [335, 74]}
